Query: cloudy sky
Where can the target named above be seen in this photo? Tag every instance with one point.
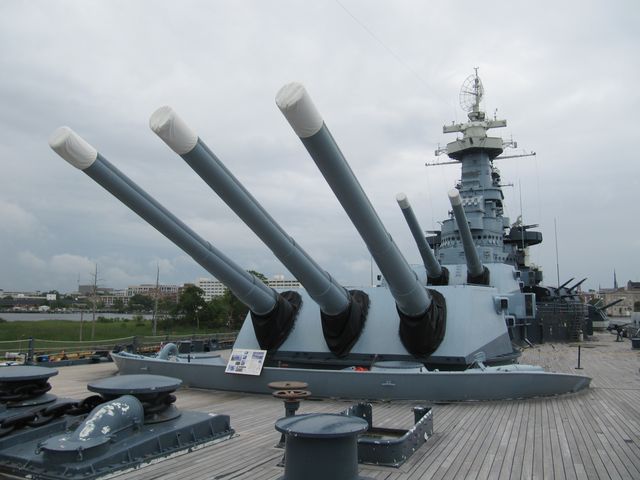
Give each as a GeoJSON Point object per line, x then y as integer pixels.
{"type": "Point", "coordinates": [384, 75]}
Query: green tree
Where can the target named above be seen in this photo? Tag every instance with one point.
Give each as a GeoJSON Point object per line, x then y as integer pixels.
{"type": "Point", "coordinates": [216, 313]}
{"type": "Point", "coordinates": [167, 305]}
{"type": "Point", "coordinates": [139, 302]}
{"type": "Point", "coordinates": [191, 303]}
{"type": "Point", "coordinates": [259, 275]}
{"type": "Point", "coordinates": [233, 309]}
{"type": "Point", "coordinates": [118, 305]}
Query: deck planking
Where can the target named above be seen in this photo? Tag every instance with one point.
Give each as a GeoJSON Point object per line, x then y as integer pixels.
{"type": "Point", "coordinates": [592, 434]}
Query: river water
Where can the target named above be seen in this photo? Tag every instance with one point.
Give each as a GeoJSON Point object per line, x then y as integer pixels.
{"type": "Point", "coordinates": [75, 316]}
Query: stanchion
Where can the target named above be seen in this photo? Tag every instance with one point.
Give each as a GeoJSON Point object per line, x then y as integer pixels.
{"type": "Point", "coordinates": [579, 351]}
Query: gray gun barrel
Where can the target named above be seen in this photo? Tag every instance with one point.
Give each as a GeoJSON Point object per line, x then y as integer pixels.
{"type": "Point", "coordinates": [565, 283]}
{"type": "Point", "coordinates": [411, 297]}
{"type": "Point", "coordinates": [260, 298]}
{"type": "Point", "coordinates": [332, 298]}
{"type": "Point", "coordinates": [615, 302]}
{"type": "Point", "coordinates": [571, 289]}
{"type": "Point", "coordinates": [474, 265]}
{"type": "Point", "coordinates": [434, 269]}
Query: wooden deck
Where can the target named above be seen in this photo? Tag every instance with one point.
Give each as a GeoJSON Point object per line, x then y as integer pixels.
{"type": "Point", "coordinates": [592, 434]}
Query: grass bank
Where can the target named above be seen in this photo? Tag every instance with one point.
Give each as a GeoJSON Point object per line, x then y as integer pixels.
{"type": "Point", "coordinates": [67, 330]}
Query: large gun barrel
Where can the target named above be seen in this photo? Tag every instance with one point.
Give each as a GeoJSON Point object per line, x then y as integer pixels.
{"type": "Point", "coordinates": [262, 300]}
{"type": "Point", "coordinates": [477, 273]}
{"type": "Point", "coordinates": [571, 289]}
{"type": "Point", "coordinates": [332, 297]}
{"type": "Point", "coordinates": [435, 273]}
{"type": "Point", "coordinates": [560, 287]}
{"type": "Point", "coordinates": [412, 298]}
{"type": "Point", "coordinates": [334, 300]}
{"type": "Point", "coordinates": [611, 304]}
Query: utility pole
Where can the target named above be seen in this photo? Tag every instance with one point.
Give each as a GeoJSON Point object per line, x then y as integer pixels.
{"type": "Point", "coordinates": [94, 294]}
{"type": "Point", "coordinates": [154, 318]}
{"type": "Point", "coordinates": [555, 227]}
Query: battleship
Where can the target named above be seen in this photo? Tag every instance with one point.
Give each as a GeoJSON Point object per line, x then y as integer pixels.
{"type": "Point", "coordinates": [442, 331]}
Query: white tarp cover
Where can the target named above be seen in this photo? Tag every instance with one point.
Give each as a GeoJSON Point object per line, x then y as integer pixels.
{"type": "Point", "coordinates": [299, 110]}
{"type": "Point", "coordinates": [73, 148]}
{"type": "Point", "coordinates": [166, 123]}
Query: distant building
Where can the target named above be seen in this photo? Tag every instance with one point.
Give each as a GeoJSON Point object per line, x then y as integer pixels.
{"type": "Point", "coordinates": [630, 294]}
{"type": "Point", "coordinates": [110, 300]}
{"type": "Point", "coordinates": [280, 283]}
{"type": "Point", "coordinates": [87, 290]}
{"type": "Point", "coordinates": [213, 288]}
{"type": "Point", "coordinates": [164, 291]}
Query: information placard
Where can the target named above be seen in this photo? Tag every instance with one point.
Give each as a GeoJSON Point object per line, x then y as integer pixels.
{"type": "Point", "coordinates": [246, 362]}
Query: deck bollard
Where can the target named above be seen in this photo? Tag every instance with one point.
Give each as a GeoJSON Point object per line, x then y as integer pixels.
{"type": "Point", "coordinates": [321, 446]}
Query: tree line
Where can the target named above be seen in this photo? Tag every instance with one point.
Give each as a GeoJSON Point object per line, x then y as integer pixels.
{"type": "Point", "coordinates": [225, 311]}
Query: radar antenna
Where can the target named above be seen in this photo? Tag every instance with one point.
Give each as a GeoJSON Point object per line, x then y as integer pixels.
{"type": "Point", "coordinates": [471, 93]}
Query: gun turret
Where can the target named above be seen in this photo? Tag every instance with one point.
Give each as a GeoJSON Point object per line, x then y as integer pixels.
{"type": "Point", "coordinates": [476, 272]}
{"type": "Point", "coordinates": [560, 287]}
{"type": "Point", "coordinates": [422, 316]}
{"type": "Point", "coordinates": [436, 274]}
{"type": "Point", "coordinates": [343, 312]}
{"type": "Point", "coordinates": [571, 289]}
{"type": "Point", "coordinates": [272, 314]}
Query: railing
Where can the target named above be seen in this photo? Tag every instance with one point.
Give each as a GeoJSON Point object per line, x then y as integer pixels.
{"type": "Point", "coordinates": [35, 350]}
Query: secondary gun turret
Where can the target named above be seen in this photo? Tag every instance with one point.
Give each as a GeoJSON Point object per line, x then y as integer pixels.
{"type": "Point", "coordinates": [476, 271]}
{"type": "Point", "coordinates": [343, 313]}
{"type": "Point", "coordinates": [571, 289]}
{"type": "Point", "coordinates": [273, 315]}
{"type": "Point", "coordinates": [560, 287]}
{"type": "Point", "coordinates": [436, 274]}
{"type": "Point", "coordinates": [422, 315]}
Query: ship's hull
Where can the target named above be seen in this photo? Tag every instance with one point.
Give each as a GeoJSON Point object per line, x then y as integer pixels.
{"type": "Point", "coordinates": [429, 386]}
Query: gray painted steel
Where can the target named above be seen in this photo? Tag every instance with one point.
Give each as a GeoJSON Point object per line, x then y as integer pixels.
{"type": "Point", "coordinates": [24, 373]}
{"type": "Point", "coordinates": [474, 265]}
{"type": "Point", "coordinates": [391, 446]}
{"type": "Point", "coordinates": [430, 262]}
{"type": "Point", "coordinates": [60, 440]}
{"type": "Point", "coordinates": [134, 385]}
{"type": "Point", "coordinates": [410, 296]}
{"type": "Point", "coordinates": [332, 298]}
{"type": "Point", "coordinates": [96, 431]}
{"type": "Point", "coordinates": [125, 451]}
{"type": "Point", "coordinates": [260, 298]}
{"type": "Point", "coordinates": [321, 446]}
{"type": "Point", "coordinates": [380, 340]}
{"type": "Point", "coordinates": [472, 384]}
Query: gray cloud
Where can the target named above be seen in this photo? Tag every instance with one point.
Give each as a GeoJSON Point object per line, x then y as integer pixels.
{"type": "Point", "coordinates": [562, 74]}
